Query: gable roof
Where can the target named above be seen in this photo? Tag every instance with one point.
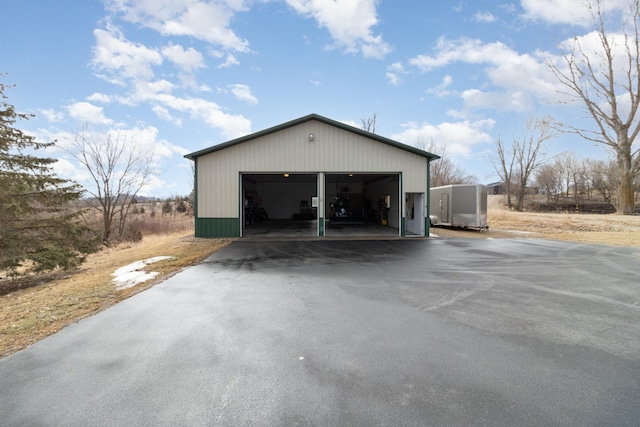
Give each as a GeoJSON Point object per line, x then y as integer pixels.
{"type": "Point", "coordinates": [378, 138]}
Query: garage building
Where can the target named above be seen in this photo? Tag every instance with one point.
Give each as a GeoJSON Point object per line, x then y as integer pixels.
{"type": "Point", "coordinates": [312, 176]}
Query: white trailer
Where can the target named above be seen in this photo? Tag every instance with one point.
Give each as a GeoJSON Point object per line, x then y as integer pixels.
{"type": "Point", "coordinates": [463, 205]}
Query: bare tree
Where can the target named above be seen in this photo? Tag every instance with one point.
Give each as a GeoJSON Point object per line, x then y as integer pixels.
{"type": "Point", "coordinates": [576, 177]}
{"type": "Point", "coordinates": [444, 171]}
{"type": "Point", "coordinates": [566, 164]}
{"type": "Point", "coordinates": [529, 153]}
{"type": "Point", "coordinates": [503, 163]}
{"type": "Point", "coordinates": [604, 178]}
{"type": "Point", "coordinates": [606, 84]}
{"type": "Point", "coordinates": [516, 164]}
{"type": "Point", "coordinates": [549, 179]}
{"type": "Point", "coordinates": [369, 123]}
{"type": "Point", "coordinates": [118, 171]}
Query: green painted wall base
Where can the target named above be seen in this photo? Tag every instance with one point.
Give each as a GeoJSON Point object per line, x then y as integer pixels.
{"type": "Point", "coordinates": [217, 227]}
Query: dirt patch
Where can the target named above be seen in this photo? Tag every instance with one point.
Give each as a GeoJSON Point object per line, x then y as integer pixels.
{"type": "Point", "coordinates": [46, 304]}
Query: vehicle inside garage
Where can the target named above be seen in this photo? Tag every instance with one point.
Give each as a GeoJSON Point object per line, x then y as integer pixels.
{"type": "Point", "coordinates": [365, 204]}
{"type": "Point", "coordinates": [279, 204]}
{"type": "Point", "coordinates": [355, 204]}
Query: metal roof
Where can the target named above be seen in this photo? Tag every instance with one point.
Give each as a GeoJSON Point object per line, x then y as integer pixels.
{"type": "Point", "coordinates": [378, 138]}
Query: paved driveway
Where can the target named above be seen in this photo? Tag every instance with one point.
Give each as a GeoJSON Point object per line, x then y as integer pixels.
{"type": "Point", "coordinates": [400, 332]}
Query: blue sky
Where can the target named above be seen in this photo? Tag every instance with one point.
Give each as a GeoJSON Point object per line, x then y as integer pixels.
{"type": "Point", "coordinates": [181, 75]}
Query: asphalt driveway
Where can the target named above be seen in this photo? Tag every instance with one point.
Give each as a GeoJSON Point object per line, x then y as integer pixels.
{"type": "Point", "coordinates": [328, 333]}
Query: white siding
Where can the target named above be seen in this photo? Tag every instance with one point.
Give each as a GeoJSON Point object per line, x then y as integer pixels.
{"type": "Point", "coordinates": [289, 150]}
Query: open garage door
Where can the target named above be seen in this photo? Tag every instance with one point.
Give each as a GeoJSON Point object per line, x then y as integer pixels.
{"type": "Point", "coordinates": [362, 204]}
{"type": "Point", "coordinates": [279, 205]}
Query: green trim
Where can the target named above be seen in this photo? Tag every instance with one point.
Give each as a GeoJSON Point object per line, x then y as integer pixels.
{"type": "Point", "coordinates": [217, 227]}
{"type": "Point", "coordinates": [242, 224]}
{"type": "Point", "coordinates": [403, 206]}
{"type": "Point", "coordinates": [427, 221]}
{"type": "Point", "coordinates": [414, 150]}
{"type": "Point", "coordinates": [321, 227]}
{"type": "Point", "coordinates": [195, 188]}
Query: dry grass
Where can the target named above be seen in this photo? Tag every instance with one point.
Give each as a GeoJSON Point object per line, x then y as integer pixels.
{"type": "Point", "coordinates": [28, 315]}
{"type": "Point", "coordinates": [611, 229]}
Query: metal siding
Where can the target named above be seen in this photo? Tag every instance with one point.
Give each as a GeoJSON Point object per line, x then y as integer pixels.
{"type": "Point", "coordinates": [333, 150]}
{"type": "Point", "coordinates": [217, 227]}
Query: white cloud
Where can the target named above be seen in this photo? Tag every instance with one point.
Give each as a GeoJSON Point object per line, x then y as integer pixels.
{"type": "Point", "coordinates": [499, 101]}
{"type": "Point", "coordinates": [149, 89]}
{"type": "Point", "coordinates": [68, 170]}
{"type": "Point", "coordinates": [156, 185]}
{"type": "Point", "coordinates": [243, 93]}
{"type": "Point", "coordinates": [395, 72]}
{"type": "Point", "coordinates": [462, 50]}
{"type": "Point", "coordinates": [159, 94]}
{"type": "Point", "coordinates": [207, 21]}
{"type": "Point", "coordinates": [99, 97]}
{"type": "Point", "coordinates": [574, 12]}
{"type": "Point", "coordinates": [349, 22]}
{"type": "Point", "coordinates": [507, 7]}
{"type": "Point", "coordinates": [230, 61]}
{"type": "Point", "coordinates": [52, 115]}
{"type": "Point", "coordinates": [484, 17]}
{"type": "Point", "coordinates": [351, 123]}
{"type": "Point", "coordinates": [121, 58]}
{"type": "Point", "coordinates": [441, 89]}
{"type": "Point", "coordinates": [556, 11]}
{"type": "Point", "coordinates": [86, 112]}
{"type": "Point", "coordinates": [458, 137]}
{"type": "Point", "coordinates": [164, 114]}
{"type": "Point", "coordinates": [187, 60]}
{"type": "Point", "coordinates": [231, 126]}
{"type": "Point", "coordinates": [514, 80]}
{"type": "Point", "coordinates": [145, 140]}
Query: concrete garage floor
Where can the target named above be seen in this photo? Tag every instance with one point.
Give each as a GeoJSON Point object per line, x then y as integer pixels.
{"type": "Point", "coordinates": [405, 332]}
{"type": "Point", "coordinates": [278, 229]}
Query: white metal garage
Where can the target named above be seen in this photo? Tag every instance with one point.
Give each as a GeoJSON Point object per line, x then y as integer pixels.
{"type": "Point", "coordinates": [312, 176]}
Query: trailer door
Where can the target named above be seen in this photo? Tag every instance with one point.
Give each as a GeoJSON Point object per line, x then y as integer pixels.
{"type": "Point", "coordinates": [444, 208]}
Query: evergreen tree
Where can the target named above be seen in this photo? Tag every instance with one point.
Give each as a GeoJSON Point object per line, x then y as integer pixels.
{"type": "Point", "coordinates": [166, 207]}
{"type": "Point", "coordinates": [38, 228]}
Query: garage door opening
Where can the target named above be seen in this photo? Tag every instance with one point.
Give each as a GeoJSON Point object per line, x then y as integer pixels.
{"type": "Point", "coordinates": [362, 204]}
{"type": "Point", "coordinates": [279, 205]}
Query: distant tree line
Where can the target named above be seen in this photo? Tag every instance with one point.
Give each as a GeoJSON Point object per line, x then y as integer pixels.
{"type": "Point", "coordinates": [570, 177]}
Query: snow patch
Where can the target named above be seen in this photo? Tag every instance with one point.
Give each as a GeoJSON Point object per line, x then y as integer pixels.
{"type": "Point", "coordinates": [133, 274]}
